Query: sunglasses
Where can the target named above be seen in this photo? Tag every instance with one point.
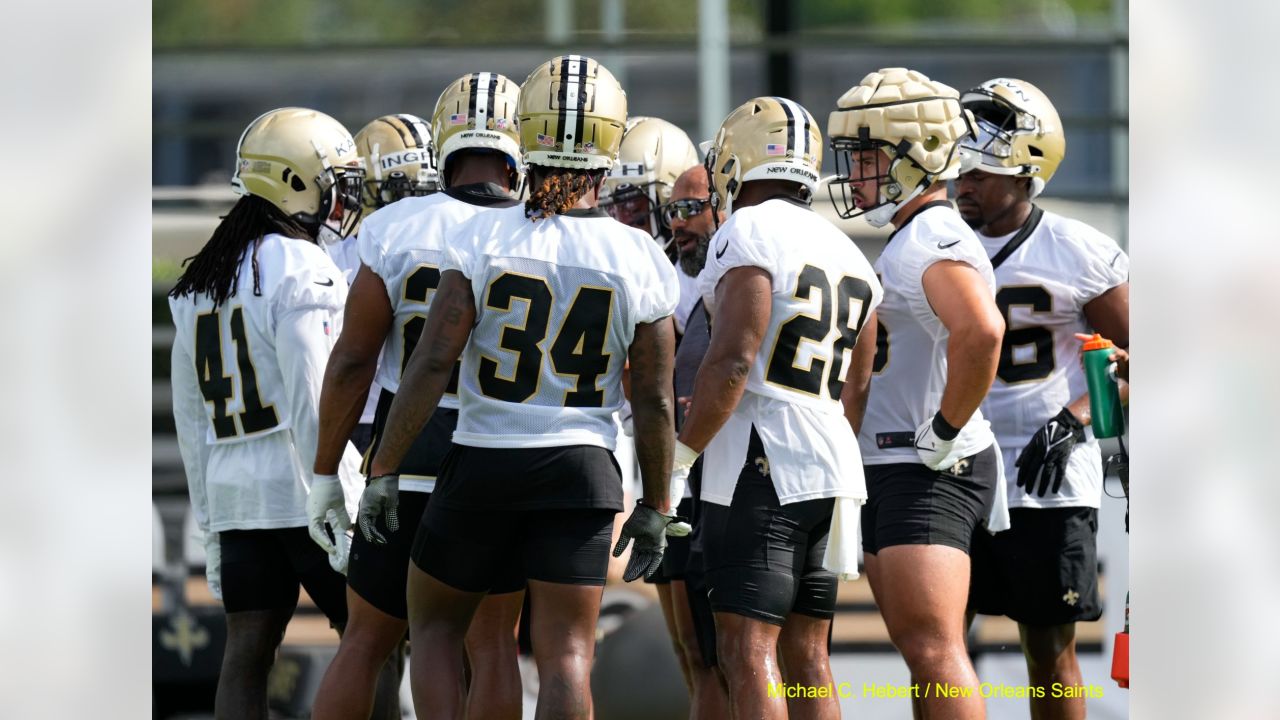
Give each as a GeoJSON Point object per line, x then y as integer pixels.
{"type": "Point", "coordinates": [683, 209]}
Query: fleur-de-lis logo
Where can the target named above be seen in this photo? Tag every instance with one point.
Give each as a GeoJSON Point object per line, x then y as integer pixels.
{"type": "Point", "coordinates": [184, 636]}
{"type": "Point", "coordinates": [762, 464]}
{"type": "Point", "coordinates": [1070, 597]}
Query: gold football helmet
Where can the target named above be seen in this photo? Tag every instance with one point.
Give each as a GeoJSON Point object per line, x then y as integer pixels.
{"type": "Point", "coordinates": [399, 159]}
{"type": "Point", "coordinates": [478, 112]}
{"type": "Point", "coordinates": [572, 114]}
{"type": "Point", "coordinates": [1018, 132]}
{"type": "Point", "coordinates": [304, 163]}
{"type": "Point", "coordinates": [916, 122]}
{"type": "Point", "coordinates": [767, 138]}
{"type": "Point", "coordinates": [653, 154]}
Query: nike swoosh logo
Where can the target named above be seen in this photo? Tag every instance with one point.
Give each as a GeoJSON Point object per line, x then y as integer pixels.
{"type": "Point", "coordinates": [720, 253]}
{"type": "Point", "coordinates": [325, 284]}
{"type": "Point", "coordinates": [944, 247]}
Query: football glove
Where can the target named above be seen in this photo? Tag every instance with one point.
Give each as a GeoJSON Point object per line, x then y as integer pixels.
{"type": "Point", "coordinates": [1046, 455]}
{"type": "Point", "coordinates": [381, 497]}
{"type": "Point", "coordinates": [648, 528]}
{"type": "Point", "coordinates": [213, 563]}
{"type": "Point", "coordinates": [936, 444]}
{"type": "Point", "coordinates": [325, 502]}
{"type": "Point", "coordinates": [684, 460]}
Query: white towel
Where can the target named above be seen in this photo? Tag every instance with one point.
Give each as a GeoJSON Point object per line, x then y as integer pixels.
{"type": "Point", "coordinates": [844, 541]}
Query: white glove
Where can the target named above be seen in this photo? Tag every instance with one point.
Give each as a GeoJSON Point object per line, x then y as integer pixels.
{"type": "Point", "coordinates": [326, 503]}
{"type": "Point", "coordinates": [342, 545]}
{"type": "Point", "coordinates": [685, 457]}
{"type": "Point", "coordinates": [213, 563]}
{"type": "Point", "coordinates": [934, 452]}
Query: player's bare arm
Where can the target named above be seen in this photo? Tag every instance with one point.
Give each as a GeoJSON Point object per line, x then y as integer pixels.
{"type": "Point", "coordinates": [744, 301]}
{"type": "Point", "coordinates": [857, 383]}
{"type": "Point", "coordinates": [351, 367]}
{"type": "Point", "coordinates": [652, 359]}
{"type": "Point", "coordinates": [449, 323]}
{"type": "Point", "coordinates": [1109, 315]}
{"type": "Point", "coordinates": [963, 302]}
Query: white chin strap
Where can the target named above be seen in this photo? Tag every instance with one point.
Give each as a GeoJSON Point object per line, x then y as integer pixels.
{"type": "Point", "coordinates": [881, 215]}
{"type": "Point", "coordinates": [1037, 187]}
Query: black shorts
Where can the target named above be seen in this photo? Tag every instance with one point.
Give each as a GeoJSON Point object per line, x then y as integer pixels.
{"type": "Point", "coordinates": [764, 559]}
{"type": "Point", "coordinates": [1041, 571]}
{"type": "Point", "coordinates": [428, 449]}
{"type": "Point", "coordinates": [380, 573]}
{"type": "Point", "coordinates": [499, 516]}
{"type": "Point", "coordinates": [909, 504]}
{"type": "Point", "coordinates": [676, 557]}
{"type": "Point", "coordinates": [262, 569]}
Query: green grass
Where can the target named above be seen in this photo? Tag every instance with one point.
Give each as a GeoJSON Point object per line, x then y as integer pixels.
{"type": "Point", "coordinates": [164, 272]}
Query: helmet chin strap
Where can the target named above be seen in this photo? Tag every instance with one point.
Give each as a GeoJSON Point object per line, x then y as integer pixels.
{"type": "Point", "coordinates": [880, 215]}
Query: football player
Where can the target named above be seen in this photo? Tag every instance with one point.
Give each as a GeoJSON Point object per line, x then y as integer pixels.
{"type": "Point", "coordinates": [654, 153]}
{"type": "Point", "coordinates": [399, 162]}
{"type": "Point", "coordinates": [543, 302]}
{"type": "Point", "coordinates": [789, 295]}
{"type": "Point", "coordinates": [932, 465]}
{"type": "Point", "coordinates": [684, 598]}
{"type": "Point", "coordinates": [1054, 277]}
{"type": "Point", "coordinates": [257, 311]}
{"type": "Point", "coordinates": [401, 249]}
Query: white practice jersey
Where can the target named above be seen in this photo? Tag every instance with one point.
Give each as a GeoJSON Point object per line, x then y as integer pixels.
{"type": "Point", "coordinates": [403, 243]}
{"type": "Point", "coordinates": [246, 388]}
{"type": "Point", "coordinates": [557, 303]}
{"type": "Point", "coordinates": [1042, 288]}
{"type": "Point", "coordinates": [911, 343]}
{"type": "Point", "coordinates": [823, 290]}
{"type": "Point", "coordinates": [345, 255]}
{"type": "Point", "coordinates": [689, 296]}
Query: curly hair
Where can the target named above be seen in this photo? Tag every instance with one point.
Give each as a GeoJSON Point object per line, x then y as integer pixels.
{"type": "Point", "coordinates": [556, 190]}
{"type": "Point", "coordinates": [215, 270]}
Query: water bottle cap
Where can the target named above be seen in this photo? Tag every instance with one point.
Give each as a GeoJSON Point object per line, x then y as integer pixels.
{"type": "Point", "coordinates": [1097, 342]}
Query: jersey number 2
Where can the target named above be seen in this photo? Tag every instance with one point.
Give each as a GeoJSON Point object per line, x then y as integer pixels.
{"type": "Point", "coordinates": [783, 369]}
{"type": "Point", "coordinates": [418, 288]}
{"type": "Point", "coordinates": [218, 388]}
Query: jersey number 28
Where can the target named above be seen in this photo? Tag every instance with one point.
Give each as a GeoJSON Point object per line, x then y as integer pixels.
{"type": "Point", "coordinates": [801, 328]}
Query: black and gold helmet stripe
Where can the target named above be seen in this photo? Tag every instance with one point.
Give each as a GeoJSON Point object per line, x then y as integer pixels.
{"type": "Point", "coordinates": [796, 147]}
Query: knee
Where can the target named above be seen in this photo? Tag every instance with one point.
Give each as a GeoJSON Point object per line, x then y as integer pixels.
{"type": "Point", "coordinates": [687, 644]}
{"type": "Point", "coordinates": [801, 653]}
{"type": "Point", "coordinates": [738, 651]}
{"type": "Point", "coordinates": [925, 652]}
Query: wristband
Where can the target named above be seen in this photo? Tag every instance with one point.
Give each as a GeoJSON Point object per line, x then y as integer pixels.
{"type": "Point", "coordinates": [943, 429]}
{"type": "Point", "coordinates": [685, 456]}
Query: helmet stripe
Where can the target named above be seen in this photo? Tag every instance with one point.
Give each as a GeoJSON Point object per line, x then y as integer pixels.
{"type": "Point", "coordinates": [411, 124]}
{"type": "Point", "coordinates": [791, 124]}
{"type": "Point", "coordinates": [491, 101]}
{"type": "Point", "coordinates": [472, 93]}
{"type": "Point", "coordinates": [481, 92]}
{"type": "Point", "coordinates": [580, 124]}
{"type": "Point", "coordinates": [799, 146]}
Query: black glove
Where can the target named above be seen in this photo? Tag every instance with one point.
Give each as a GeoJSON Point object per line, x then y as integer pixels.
{"type": "Point", "coordinates": [1046, 455]}
{"type": "Point", "coordinates": [649, 529]}
{"type": "Point", "coordinates": [381, 498]}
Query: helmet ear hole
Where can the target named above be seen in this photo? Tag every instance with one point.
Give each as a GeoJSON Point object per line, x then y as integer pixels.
{"type": "Point", "coordinates": [297, 184]}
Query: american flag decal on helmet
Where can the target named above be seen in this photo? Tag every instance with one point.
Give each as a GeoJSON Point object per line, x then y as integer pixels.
{"type": "Point", "coordinates": [458, 119]}
{"type": "Point", "coordinates": [774, 149]}
{"type": "Point", "coordinates": [546, 140]}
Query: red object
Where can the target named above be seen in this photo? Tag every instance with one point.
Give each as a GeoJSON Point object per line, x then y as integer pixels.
{"type": "Point", "coordinates": [1120, 660]}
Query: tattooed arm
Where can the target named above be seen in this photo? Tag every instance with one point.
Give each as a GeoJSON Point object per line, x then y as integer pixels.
{"type": "Point", "coordinates": [449, 323]}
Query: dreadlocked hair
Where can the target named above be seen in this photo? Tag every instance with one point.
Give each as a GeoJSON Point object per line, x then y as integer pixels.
{"type": "Point", "coordinates": [215, 270]}
{"type": "Point", "coordinates": [558, 190]}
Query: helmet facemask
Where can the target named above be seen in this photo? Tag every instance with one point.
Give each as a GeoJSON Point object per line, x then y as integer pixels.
{"type": "Point", "coordinates": [901, 181]}
{"type": "Point", "coordinates": [339, 188]}
{"type": "Point", "coordinates": [629, 204]}
{"type": "Point", "coordinates": [997, 123]}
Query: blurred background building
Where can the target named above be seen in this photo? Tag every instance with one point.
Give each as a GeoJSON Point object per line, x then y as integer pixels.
{"type": "Point", "coordinates": [217, 64]}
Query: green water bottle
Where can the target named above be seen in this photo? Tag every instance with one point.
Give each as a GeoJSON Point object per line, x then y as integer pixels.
{"type": "Point", "coordinates": [1104, 393]}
